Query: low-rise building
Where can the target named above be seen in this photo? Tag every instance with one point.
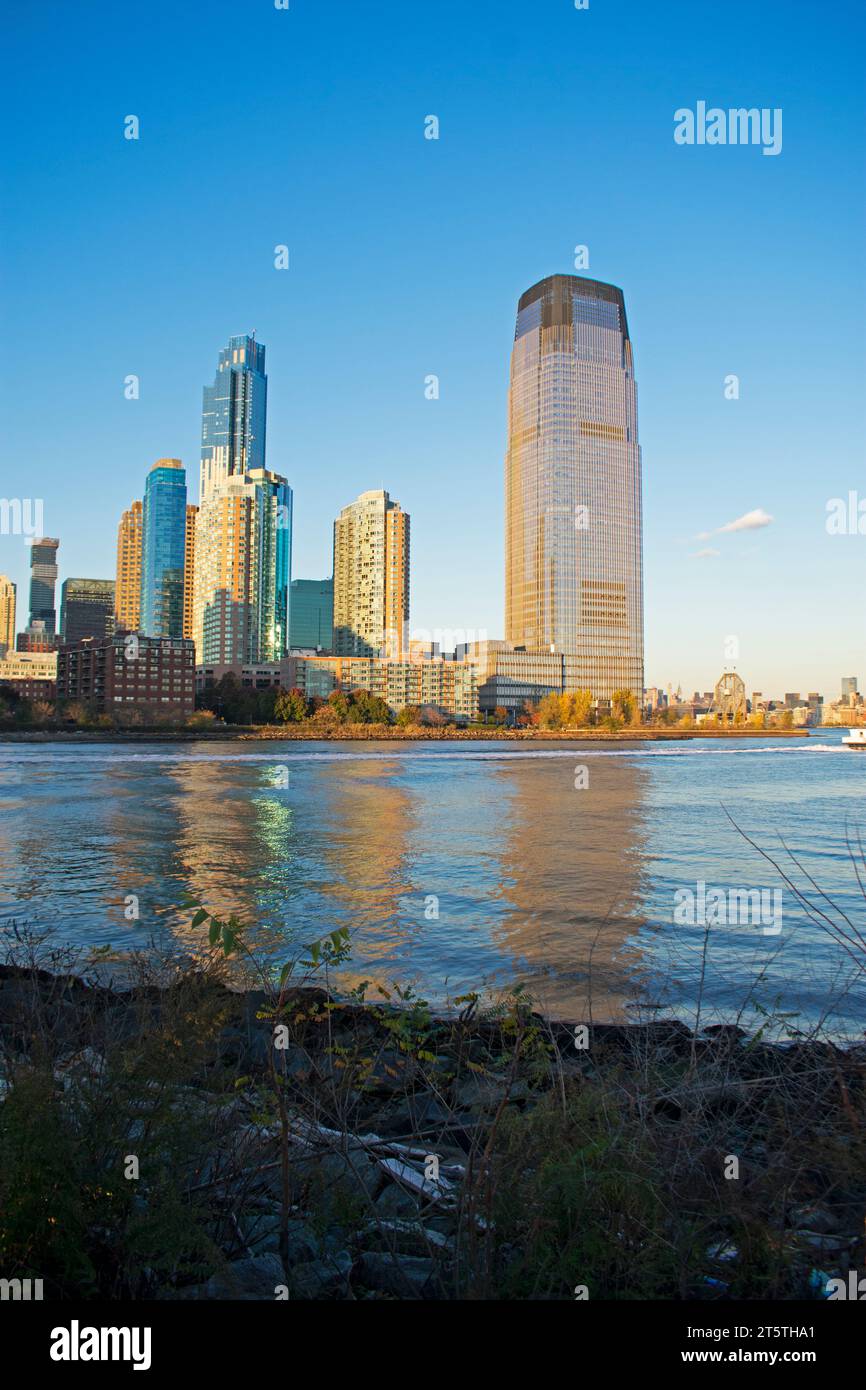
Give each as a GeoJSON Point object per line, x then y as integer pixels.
{"type": "Point", "coordinates": [32, 675]}
{"type": "Point", "coordinates": [152, 675]}
{"type": "Point", "coordinates": [449, 686]}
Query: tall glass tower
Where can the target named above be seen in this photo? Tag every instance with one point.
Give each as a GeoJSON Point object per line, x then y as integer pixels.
{"type": "Point", "coordinates": [243, 569]}
{"type": "Point", "coordinates": [573, 528]}
{"type": "Point", "coordinates": [233, 414]}
{"type": "Point", "coordinates": [43, 579]}
{"type": "Point", "coordinates": [163, 546]}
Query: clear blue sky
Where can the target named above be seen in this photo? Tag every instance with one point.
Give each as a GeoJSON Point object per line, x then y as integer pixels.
{"type": "Point", "coordinates": [305, 127]}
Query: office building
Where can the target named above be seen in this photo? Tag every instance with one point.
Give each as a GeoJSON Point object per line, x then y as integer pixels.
{"type": "Point", "coordinates": [311, 615]}
{"type": "Point", "coordinates": [234, 412]}
{"type": "Point", "coordinates": [43, 579]}
{"type": "Point", "coordinates": [163, 539]}
{"type": "Point", "coordinates": [573, 510]}
{"type": "Point", "coordinates": [86, 609]}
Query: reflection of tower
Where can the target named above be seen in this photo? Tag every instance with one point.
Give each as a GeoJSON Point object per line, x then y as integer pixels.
{"type": "Point", "coordinates": [573, 528]}
{"type": "Point", "coordinates": [572, 862]}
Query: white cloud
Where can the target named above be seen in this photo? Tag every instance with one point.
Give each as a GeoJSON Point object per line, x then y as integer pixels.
{"type": "Point", "coordinates": [705, 554]}
{"type": "Point", "coordinates": [750, 521]}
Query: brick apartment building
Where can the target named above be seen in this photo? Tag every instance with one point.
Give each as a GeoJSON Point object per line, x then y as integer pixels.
{"type": "Point", "coordinates": [154, 675]}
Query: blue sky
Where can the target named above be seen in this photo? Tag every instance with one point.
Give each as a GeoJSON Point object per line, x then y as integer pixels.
{"type": "Point", "coordinates": [306, 127]}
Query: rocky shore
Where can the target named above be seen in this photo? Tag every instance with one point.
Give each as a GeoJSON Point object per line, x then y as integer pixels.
{"type": "Point", "coordinates": [185, 1140]}
{"type": "Point", "coordinates": [386, 733]}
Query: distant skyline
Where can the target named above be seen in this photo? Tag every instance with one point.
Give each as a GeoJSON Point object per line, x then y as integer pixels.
{"type": "Point", "coordinates": [406, 257]}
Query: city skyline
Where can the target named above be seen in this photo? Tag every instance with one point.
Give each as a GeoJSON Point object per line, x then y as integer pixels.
{"type": "Point", "coordinates": [707, 245]}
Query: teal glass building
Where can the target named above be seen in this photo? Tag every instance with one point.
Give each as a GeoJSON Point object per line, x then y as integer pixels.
{"type": "Point", "coordinates": [311, 615]}
{"type": "Point", "coordinates": [163, 547]}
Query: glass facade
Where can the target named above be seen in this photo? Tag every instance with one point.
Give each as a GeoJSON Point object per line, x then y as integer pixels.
{"type": "Point", "coordinates": [243, 570]}
{"type": "Point", "coordinates": [43, 580]}
{"type": "Point", "coordinates": [233, 416]}
{"type": "Point", "coordinates": [87, 609]}
{"type": "Point", "coordinates": [573, 527]}
{"type": "Point", "coordinates": [312, 614]}
{"type": "Point", "coordinates": [163, 545]}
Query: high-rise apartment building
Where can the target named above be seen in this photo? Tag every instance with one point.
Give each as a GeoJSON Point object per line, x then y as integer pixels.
{"type": "Point", "coordinates": [189, 571]}
{"type": "Point", "coordinates": [573, 527]}
{"type": "Point", "coordinates": [849, 687]}
{"type": "Point", "coordinates": [371, 578]}
{"type": "Point", "coordinates": [311, 624]}
{"type": "Point", "coordinates": [127, 584]}
{"type": "Point", "coordinates": [163, 536]}
{"type": "Point", "coordinates": [234, 411]}
{"type": "Point", "coordinates": [43, 579]}
{"type": "Point", "coordinates": [87, 609]}
{"type": "Point", "coordinates": [8, 594]}
{"type": "Point", "coordinates": [243, 558]}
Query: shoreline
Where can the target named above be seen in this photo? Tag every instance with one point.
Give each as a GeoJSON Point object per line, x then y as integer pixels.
{"type": "Point", "coordinates": [383, 734]}
{"type": "Point", "coordinates": [361, 1155]}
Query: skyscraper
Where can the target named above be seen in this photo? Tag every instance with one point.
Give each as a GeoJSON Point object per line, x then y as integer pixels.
{"type": "Point", "coordinates": [573, 528]}
{"type": "Point", "coordinates": [127, 584]}
{"type": "Point", "coordinates": [312, 614]}
{"type": "Point", "coordinates": [163, 532]}
{"type": "Point", "coordinates": [243, 562]}
{"type": "Point", "coordinates": [189, 571]}
{"type": "Point", "coordinates": [87, 609]}
{"type": "Point", "coordinates": [233, 414]}
{"type": "Point", "coordinates": [8, 594]}
{"type": "Point", "coordinates": [43, 578]}
{"type": "Point", "coordinates": [371, 578]}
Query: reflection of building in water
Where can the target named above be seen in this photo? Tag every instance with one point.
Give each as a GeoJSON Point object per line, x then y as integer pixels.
{"type": "Point", "coordinates": [572, 858]}
{"type": "Point", "coordinates": [362, 816]}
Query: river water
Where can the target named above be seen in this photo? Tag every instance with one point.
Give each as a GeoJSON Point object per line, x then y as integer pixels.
{"type": "Point", "coordinates": [566, 867]}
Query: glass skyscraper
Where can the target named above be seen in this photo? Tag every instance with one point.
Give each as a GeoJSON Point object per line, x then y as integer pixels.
{"type": "Point", "coordinates": [163, 546]}
{"type": "Point", "coordinates": [87, 609]}
{"type": "Point", "coordinates": [233, 416]}
{"type": "Point", "coordinates": [243, 568]}
{"type": "Point", "coordinates": [43, 579]}
{"type": "Point", "coordinates": [312, 614]}
{"type": "Point", "coordinates": [573, 524]}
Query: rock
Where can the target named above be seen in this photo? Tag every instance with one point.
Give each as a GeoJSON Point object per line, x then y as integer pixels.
{"type": "Point", "coordinates": [354, 1171]}
{"type": "Point", "coordinates": [477, 1092]}
{"type": "Point", "coordinates": [405, 1237]}
{"type": "Point", "coordinates": [415, 1115]}
{"type": "Point", "coordinates": [249, 1280]}
{"type": "Point", "coordinates": [395, 1202]}
{"type": "Point", "coordinates": [403, 1276]}
{"type": "Point", "coordinates": [814, 1217]}
{"type": "Point", "coordinates": [325, 1278]}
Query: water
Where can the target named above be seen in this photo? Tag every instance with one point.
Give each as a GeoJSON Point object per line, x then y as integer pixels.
{"type": "Point", "coordinates": [569, 891]}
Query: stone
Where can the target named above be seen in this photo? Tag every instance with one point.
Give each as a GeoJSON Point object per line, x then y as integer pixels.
{"type": "Point", "coordinates": [325, 1278]}
{"type": "Point", "coordinates": [403, 1276]}
{"type": "Point", "coordinates": [254, 1279]}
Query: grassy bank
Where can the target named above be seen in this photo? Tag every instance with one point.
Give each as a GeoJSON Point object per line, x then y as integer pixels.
{"type": "Point", "coordinates": [183, 1139]}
